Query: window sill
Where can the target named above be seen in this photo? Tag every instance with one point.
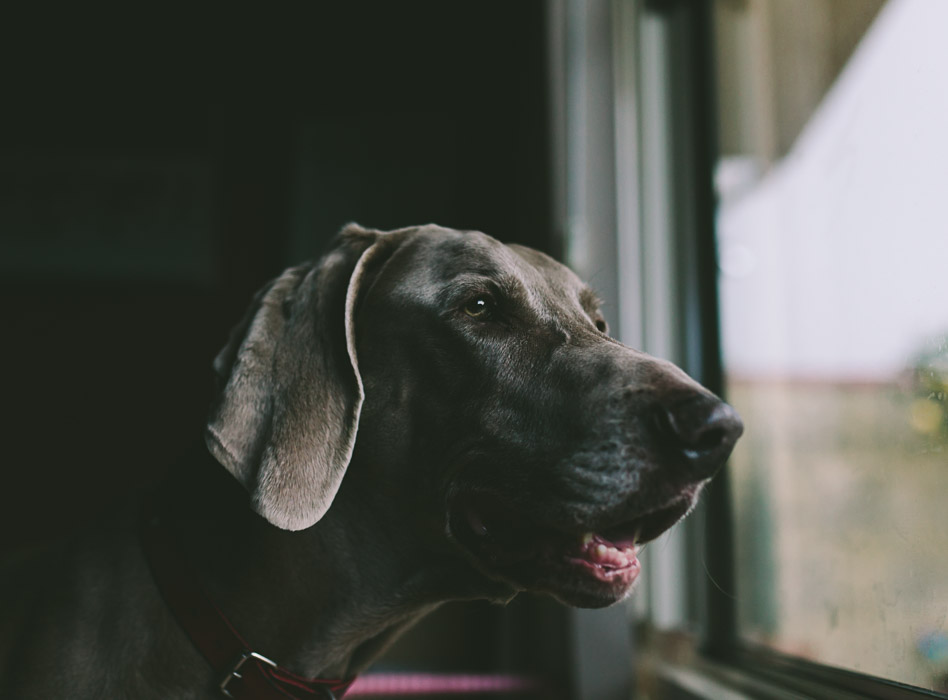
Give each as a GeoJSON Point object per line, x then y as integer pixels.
{"type": "Point", "coordinates": [761, 675]}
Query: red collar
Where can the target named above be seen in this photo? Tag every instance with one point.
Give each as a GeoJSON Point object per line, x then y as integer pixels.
{"type": "Point", "coordinates": [244, 674]}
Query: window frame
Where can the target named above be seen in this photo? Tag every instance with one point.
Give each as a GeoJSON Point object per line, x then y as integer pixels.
{"type": "Point", "coordinates": [654, 91]}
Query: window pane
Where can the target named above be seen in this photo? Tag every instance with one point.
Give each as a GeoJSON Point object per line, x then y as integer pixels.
{"type": "Point", "coordinates": [833, 240]}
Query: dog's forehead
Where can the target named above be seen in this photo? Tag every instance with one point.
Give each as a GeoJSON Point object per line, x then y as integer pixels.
{"type": "Point", "coordinates": [443, 256]}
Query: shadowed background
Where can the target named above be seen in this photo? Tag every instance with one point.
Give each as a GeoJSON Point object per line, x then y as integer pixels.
{"type": "Point", "coordinates": [158, 165]}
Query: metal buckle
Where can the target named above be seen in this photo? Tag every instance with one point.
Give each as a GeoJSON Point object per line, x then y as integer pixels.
{"type": "Point", "coordinates": [242, 659]}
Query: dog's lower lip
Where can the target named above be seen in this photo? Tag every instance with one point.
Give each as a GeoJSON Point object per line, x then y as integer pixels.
{"type": "Point", "coordinates": [589, 568]}
{"type": "Point", "coordinates": [604, 564]}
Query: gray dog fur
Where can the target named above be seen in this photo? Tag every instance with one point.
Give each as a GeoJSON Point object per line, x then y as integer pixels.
{"type": "Point", "coordinates": [384, 407]}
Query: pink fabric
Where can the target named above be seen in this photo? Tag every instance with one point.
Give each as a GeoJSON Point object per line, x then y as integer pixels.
{"type": "Point", "coordinates": [395, 684]}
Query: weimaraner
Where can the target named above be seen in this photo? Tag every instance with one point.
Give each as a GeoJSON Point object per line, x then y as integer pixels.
{"type": "Point", "coordinates": [422, 415]}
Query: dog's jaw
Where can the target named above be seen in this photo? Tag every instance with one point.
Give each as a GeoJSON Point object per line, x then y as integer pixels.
{"type": "Point", "coordinates": [589, 564]}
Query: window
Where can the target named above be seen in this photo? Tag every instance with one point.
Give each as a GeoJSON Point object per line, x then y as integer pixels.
{"type": "Point", "coordinates": [832, 240]}
{"type": "Point", "coordinates": [809, 160]}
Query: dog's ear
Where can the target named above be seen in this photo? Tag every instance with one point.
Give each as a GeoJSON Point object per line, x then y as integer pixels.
{"type": "Point", "coordinates": [284, 422]}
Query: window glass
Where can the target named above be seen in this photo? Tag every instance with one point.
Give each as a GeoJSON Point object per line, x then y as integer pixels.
{"type": "Point", "coordinates": [833, 253]}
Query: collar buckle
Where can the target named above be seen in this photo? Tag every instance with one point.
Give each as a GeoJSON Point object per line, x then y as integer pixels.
{"type": "Point", "coordinates": [244, 657]}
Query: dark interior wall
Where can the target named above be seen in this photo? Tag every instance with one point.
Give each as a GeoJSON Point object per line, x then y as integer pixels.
{"type": "Point", "coordinates": [157, 166]}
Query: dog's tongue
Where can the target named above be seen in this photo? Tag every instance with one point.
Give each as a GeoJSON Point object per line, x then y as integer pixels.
{"type": "Point", "coordinates": [601, 553]}
{"type": "Point", "coordinates": [610, 557]}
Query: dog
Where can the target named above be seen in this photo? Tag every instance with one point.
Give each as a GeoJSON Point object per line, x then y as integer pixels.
{"type": "Point", "coordinates": [422, 415]}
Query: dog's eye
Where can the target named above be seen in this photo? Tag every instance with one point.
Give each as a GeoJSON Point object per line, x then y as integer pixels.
{"type": "Point", "coordinates": [480, 307]}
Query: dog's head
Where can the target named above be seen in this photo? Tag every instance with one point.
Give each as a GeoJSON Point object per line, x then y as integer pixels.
{"type": "Point", "coordinates": [477, 383]}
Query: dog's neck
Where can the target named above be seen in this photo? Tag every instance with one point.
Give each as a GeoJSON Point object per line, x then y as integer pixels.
{"type": "Point", "coordinates": [323, 602]}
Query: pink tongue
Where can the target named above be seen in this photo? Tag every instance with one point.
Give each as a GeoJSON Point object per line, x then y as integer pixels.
{"type": "Point", "coordinates": [600, 551]}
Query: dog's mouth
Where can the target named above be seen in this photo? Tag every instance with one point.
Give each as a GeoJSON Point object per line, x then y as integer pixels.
{"type": "Point", "coordinates": [586, 566]}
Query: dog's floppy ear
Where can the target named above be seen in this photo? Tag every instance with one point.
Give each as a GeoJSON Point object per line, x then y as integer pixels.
{"type": "Point", "coordinates": [285, 421]}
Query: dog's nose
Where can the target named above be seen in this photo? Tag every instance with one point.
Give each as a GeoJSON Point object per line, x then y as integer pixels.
{"type": "Point", "coordinates": [702, 430]}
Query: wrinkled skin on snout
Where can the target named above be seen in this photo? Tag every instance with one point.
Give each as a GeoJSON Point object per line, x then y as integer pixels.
{"type": "Point", "coordinates": [525, 438]}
